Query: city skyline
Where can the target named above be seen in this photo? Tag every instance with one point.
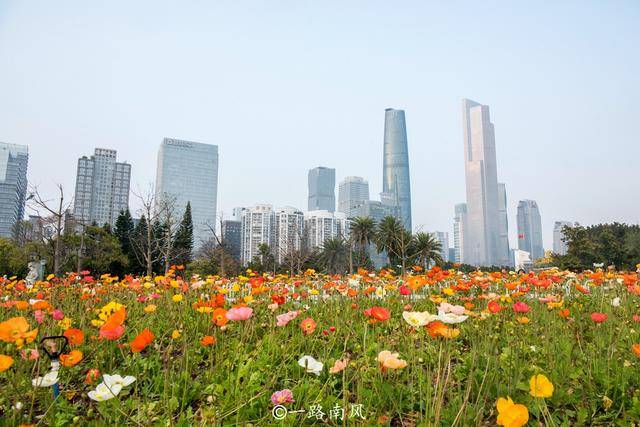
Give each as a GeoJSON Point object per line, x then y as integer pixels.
{"type": "Point", "coordinates": [339, 83]}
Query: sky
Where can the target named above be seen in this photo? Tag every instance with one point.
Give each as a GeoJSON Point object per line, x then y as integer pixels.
{"type": "Point", "coordinates": [285, 86]}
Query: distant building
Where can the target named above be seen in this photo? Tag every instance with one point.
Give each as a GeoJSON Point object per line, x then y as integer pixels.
{"type": "Point", "coordinates": [375, 210]}
{"type": "Point", "coordinates": [459, 232]}
{"type": "Point", "coordinates": [13, 186]}
{"type": "Point", "coordinates": [322, 189]}
{"type": "Point", "coordinates": [504, 254]}
{"type": "Point", "coordinates": [232, 237]}
{"type": "Point", "coordinates": [559, 246]}
{"type": "Point", "coordinates": [258, 228]}
{"type": "Point", "coordinates": [443, 238]}
{"type": "Point", "coordinates": [530, 229]}
{"type": "Point", "coordinates": [483, 231]}
{"type": "Point", "coordinates": [352, 191]}
{"type": "Point", "coordinates": [521, 260]}
{"type": "Point", "coordinates": [396, 179]}
{"type": "Point", "coordinates": [188, 172]}
{"type": "Point", "coordinates": [452, 254]}
{"type": "Point", "coordinates": [102, 188]}
{"type": "Point", "coordinates": [321, 225]}
{"type": "Point", "coordinates": [289, 232]}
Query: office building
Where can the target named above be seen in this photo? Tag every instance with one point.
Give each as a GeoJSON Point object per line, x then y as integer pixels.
{"type": "Point", "coordinates": [443, 238]}
{"type": "Point", "coordinates": [395, 170]}
{"type": "Point", "coordinates": [232, 237]}
{"type": "Point", "coordinates": [13, 186]}
{"type": "Point", "coordinates": [530, 229]}
{"type": "Point", "coordinates": [483, 218]}
{"type": "Point", "coordinates": [559, 246]}
{"type": "Point", "coordinates": [459, 231]}
{"type": "Point", "coordinates": [352, 191]}
{"type": "Point", "coordinates": [504, 253]}
{"type": "Point", "coordinates": [188, 172]}
{"type": "Point", "coordinates": [322, 189]}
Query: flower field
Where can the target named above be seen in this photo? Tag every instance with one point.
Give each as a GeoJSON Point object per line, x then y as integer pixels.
{"type": "Point", "coordinates": [436, 347]}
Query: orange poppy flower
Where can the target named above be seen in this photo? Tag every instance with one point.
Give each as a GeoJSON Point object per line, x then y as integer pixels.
{"type": "Point", "coordinates": [208, 340]}
{"type": "Point", "coordinates": [308, 325]}
{"type": "Point", "coordinates": [16, 330]}
{"type": "Point", "coordinates": [220, 316]}
{"type": "Point", "coordinates": [5, 362]}
{"type": "Point", "coordinates": [75, 336]}
{"type": "Point", "coordinates": [140, 342]}
{"type": "Point", "coordinates": [636, 349]}
{"type": "Point", "coordinates": [112, 328]}
{"type": "Point", "coordinates": [71, 359]}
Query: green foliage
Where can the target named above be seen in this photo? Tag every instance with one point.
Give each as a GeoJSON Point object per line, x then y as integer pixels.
{"type": "Point", "coordinates": [183, 239]}
{"type": "Point", "coordinates": [612, 244]}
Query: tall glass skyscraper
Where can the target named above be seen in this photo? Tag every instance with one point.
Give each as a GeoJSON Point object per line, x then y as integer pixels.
{"type": "Point", "coordinates": [322, 189]}
{"type": "Point", "coordinates": [102, 188]}
{"type": "Point", "coordinates": [188, 172]}
{"type": "Point", "coordinates": [13, 185]}
{"type": "Point", "coordinates": [459, 232]}
{"type": "Point", "coordinates": [530, 229]}
{"type": "Point", "coordinates": [353, 191]}
{"type": "Point", "coordinates": [504, 254]}
{"type": "Point", "coordinates": [395, 168]}
{"type": "Point", "coordinates": [483, 202]}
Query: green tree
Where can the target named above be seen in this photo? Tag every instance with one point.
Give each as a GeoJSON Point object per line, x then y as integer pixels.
{"type": "Point", "coordinates": [395, 240]}
{"type": "Point", "coordinates": [334, 255]}
{"type": "Point", "coordinates": [425, 248]}
{"type": "Point", "coordinates": [362, 234]}
{"type": "Point", "coordinates": [183, 239]}
{"type": "Point", "coordinates": [124, 231]}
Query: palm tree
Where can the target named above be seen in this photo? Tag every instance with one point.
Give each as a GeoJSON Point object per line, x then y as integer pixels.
{"type": "Point", "coordinates": [334, 255]}
{"type": "Point", "coordinates": [426, 248]}
{"type": "Point", "coordinates": [362, 233]}
{"type": "Point", "coordinates": [392, 237]}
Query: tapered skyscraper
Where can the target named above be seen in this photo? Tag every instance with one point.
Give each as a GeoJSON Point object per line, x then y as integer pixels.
{"type": "Point", "coordinates": [483, 201]}
{"type": "Point", "coordinates": [530, 229]}
{"type": "Point", "coordinates": [395, 171]}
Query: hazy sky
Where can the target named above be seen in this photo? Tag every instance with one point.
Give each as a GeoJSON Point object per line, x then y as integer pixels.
{"type": "Point", "coordinates": [284, 86]}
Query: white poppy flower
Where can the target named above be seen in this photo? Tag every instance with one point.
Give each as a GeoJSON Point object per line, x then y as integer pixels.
{"type": "Point", "coordinates": [616, 302]}
{"type": "Point", "coordinates": [110, 380]}
{"type": "Point", "coordinates": [104, 392]}
{"type": "Point", "coordinates": [418, 318]}
{"type": "Point", "coordinates": [311, 365]}
{"type": "Point", "coordinates": [451, 317]}
{"type": "Point", "coordinates": [49, 379]}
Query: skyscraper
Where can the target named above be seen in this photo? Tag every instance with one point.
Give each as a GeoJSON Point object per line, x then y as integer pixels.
{"type": "Point", "coordinates": [459, 232]}
{"type": "Point", "coordinates": [102, 188]}
{"type": "Point", "coordinates": [395, 169]}
{"type": "Point", "coordinates": [481, 174]}
{"type": "Point", "coordinates": [289, 232]}
{"type": "Point", "coordinates": [258, 228]}
{"type": "Point", "coordinates": [560, 247]}
{"type": "Point", "coordinates": [504, 254]}
{"type": "Point", "coordinates": [232, 237]}
{"type": "Point", "coordinates": [13, 185]}
{"type": "Point", "coordinates": [352, 191]}
{"type": "Point", "coordinates": [322, 189]}
{"type": "Point", "coordinates": [530, 229]}
{"type": "Point", "coordinates": [188, 172]}
{"type": "Point", "coordinates": [443, 238]}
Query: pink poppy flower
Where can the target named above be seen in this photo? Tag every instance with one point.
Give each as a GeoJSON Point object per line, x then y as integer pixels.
{"type": "Point", "coordinates": [284, 319]}
{"type": "Point", "coordinates": [240, 313]}
{"type": "Point", "coordinates": [57, 315]}
{"type": "Point", "coordinates": [281, 397]}
{"type": "Point", "coordinates": [599, 317]}
{"type": "Point", "coordinates": [445, 307]}
{"type": "Point", "coordinates": [521, 307]}
{"type": "Point", "coordinates": [39, 315]}
{"type": "Point", "coordinates": [30, 354]}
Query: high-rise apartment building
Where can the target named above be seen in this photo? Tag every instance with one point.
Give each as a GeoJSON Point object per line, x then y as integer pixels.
{"type": "Point", "coordinates": [459, 232]}
{"type": "Point", "coordinates": [14, 159]}
{"type": "Point", "coordinates": [188, 172]}
{"type": "Point", "coordinates": [483, 218]}
{"type": "Point", "coordinates": [443, 238]}
{"type": "Point", "coordinates": [352, 191]}
{"type": "Point", "coordinates": [559, 246]}
{"type": "Point", "coordinates": [289, 232]}
{"type": "Point", "coordinates": [322, 189]}
{"type": "Point", "coordinates": [257, 228]}
{"type": "Point", "coordinates": [232, 237]}
{"type": "Point", "coordinates": [102, 188]}
{"type": "Point", "coordinates": [321, 225]}
{"type": "Point", "coordinates": [504, 254]}
{"type": "Point", "coordinates": [395, 169]}
{"type": "Point", "coordinates": [530, 229]}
